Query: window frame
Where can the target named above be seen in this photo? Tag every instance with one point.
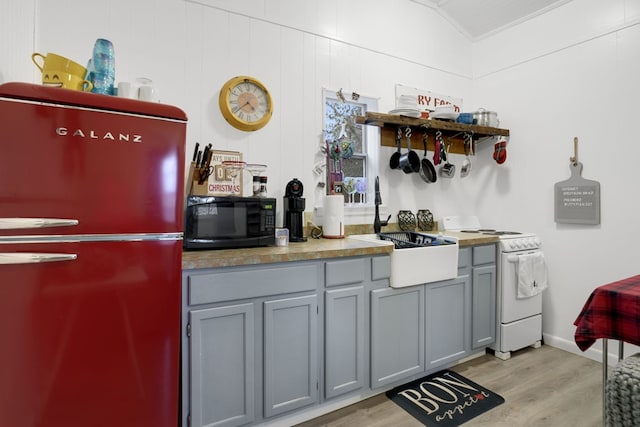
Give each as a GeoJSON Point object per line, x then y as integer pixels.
{"type": "Point", "coordinates": [370, 146]}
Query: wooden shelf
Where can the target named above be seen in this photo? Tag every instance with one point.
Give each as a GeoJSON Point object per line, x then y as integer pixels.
{"type": "Point", "coordinates": [452, 132]}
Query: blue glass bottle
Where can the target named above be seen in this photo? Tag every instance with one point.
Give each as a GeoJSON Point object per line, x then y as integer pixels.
{"type": "Point", "coordinates": [102, 68]}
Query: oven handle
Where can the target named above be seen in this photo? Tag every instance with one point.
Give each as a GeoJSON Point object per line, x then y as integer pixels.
{"type": "Point", "coordinates": [514, 258]}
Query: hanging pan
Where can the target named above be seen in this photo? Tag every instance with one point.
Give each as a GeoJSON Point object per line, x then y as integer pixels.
{"type": "Point", "coordinates": [427, 170]}
{"type": "Point", "coordinates": [409, 161]}
{"type": "Point", "coordinates": [394, 161]}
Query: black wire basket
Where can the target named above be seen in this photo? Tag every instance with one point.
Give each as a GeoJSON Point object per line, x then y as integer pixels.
{"type": "Point", "coordinates": [407, 239]}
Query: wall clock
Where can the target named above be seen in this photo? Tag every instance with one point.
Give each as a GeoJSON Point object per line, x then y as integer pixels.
{"type": "Point", "coordinates": [245, 103]}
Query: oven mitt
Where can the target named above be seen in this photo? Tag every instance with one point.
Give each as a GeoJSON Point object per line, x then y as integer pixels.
{"type": "Point", "coordinates": [500, 152]}
{"type": "Point", "coordinates": [436, 153]}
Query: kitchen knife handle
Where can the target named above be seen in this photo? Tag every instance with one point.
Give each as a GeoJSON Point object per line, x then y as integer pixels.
{"type": "Point", "coordinates": [195, 151]}
{"type": "Point", "coordinates": [13, 223]}
{"type": "Point", "coordinates": [8, 258]}
{"type": "Point", "coordinates": [209, 157]}
{"type": "Point", "coordinates": [205, 156]}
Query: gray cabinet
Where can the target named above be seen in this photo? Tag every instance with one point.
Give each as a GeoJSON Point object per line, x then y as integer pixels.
{"type": "Point", "coordinates": [250, 344]}
{"type": "Point", "coordinates": [346, 320]}
{"type": "Point", "coordinates": [397, 334]}
{"type": "Point", "coordinates": [447, 312]}
{"type": "Point", "coordinates": [261, 342]}
{"type": "Point", "coordinates": [222, 365]}
{"type": "Point", "coordinates": [290, 354]}
{"type": "Point", "coordinates": [461, 313]}
{"type": "Point", "coordinates": [483, 310]}
{"type": "Point", "coordinates": [344, 333]}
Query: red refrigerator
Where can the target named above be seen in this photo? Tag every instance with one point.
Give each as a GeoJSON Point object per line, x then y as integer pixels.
{"type": "Point", "coordinates": [91, 196]}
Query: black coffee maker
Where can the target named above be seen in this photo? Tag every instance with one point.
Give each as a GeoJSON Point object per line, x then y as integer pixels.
{"type": "Point", "coordinates": [294, 211]}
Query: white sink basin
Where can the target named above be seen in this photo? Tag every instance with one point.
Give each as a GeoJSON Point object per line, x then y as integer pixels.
{"type": "Point", "coordinates": [415, 266]}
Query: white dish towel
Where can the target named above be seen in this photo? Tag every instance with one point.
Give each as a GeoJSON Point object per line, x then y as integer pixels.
{"type": "Point", "coordinates": [532, 275]}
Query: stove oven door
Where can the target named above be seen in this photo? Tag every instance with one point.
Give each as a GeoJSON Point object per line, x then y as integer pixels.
{"type": "Point", "coordinates": [512, 308]}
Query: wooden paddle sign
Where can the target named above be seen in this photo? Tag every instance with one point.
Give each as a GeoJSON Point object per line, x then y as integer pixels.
{"type": "Point", "coordinates": [577, 199]}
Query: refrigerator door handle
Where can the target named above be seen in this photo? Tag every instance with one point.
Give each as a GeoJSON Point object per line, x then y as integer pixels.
{"type": "Point", "coordinates": [7, 258]}
{"type": "Point", "coordinates": [13, 223]}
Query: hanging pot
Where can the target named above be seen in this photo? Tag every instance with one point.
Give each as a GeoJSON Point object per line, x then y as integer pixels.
{"type": "Point", "coordinates": [427, 170]}
{"type": "Point", "coordinates": [394, 161]}
{"type": "Point", "coordinates": [409, 161]}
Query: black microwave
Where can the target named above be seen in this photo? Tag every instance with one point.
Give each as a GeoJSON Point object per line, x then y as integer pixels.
{"type": "Point", "coordinates": [223, 222]}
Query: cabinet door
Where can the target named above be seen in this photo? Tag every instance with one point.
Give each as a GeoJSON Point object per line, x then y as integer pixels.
{"type": "Point", "coordinates": [344, 340]}
{"type": "Point", "coordinates": [397, 334]}
{"type": "Point", "coordinates": [447, 311]}
{"type": "Point", "coordinates": [483, 316]}
{"type": "Point", "coordinates": [222, 366]}
{"type": "Point", "coordinates": [290, 354]}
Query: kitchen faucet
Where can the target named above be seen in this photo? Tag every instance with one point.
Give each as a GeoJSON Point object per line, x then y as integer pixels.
{"type": "Point", "coordinates": [377, 223]}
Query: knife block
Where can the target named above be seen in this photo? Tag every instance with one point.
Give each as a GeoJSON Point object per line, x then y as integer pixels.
{"type": "Point", "coordinates": [193, 187]}
{"type": "Point", "coordinates": [200, 189]}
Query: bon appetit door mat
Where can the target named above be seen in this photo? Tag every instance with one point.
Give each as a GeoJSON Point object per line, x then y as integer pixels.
{"type": "Point", "coordinates": [444, 399]}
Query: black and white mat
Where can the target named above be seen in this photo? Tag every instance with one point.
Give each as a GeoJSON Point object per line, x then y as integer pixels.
{"type": "Point", "coordinates": [444, 399]}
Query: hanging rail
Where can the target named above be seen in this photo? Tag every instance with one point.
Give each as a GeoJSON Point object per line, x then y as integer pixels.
{"type": "Point", "coordinates": [451, 130]}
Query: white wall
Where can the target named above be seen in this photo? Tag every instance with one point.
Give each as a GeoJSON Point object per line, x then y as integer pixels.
{"type": "Point", "coordinates": [191, 47]}
{"type": "Point", "coordinates": [16, 40]}
{"type": "Point", "coordinates": [571, 72]}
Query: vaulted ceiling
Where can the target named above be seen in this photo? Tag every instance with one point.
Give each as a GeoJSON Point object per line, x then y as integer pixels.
{"type": "Point", "coordinates": [481, 18]}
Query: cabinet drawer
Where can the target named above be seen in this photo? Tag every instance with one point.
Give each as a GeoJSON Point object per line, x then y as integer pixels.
{"type": "Point", "coordinates": [380, 268]}
{"type": "Point", "coordinates": [464, 258]}
{"type": "Point", "coordinates": [485, 254]}
{"type": "Point", "coordinates": [346, 272]}
{"type": "Point", "coordinates": [252, 283]}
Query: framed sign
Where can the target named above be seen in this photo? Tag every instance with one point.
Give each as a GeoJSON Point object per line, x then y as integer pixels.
{"type": "Point", "coordinates": [426, 100]}
{"type": "Point", "coordinates": [225, 181]}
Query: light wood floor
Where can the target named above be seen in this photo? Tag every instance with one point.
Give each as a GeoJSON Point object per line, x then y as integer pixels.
{"type": "Point", "coordinates": [541, 387]}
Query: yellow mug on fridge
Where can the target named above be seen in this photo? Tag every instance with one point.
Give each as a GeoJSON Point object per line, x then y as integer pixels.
{"type": "Point", "coordinates": [62, 72]}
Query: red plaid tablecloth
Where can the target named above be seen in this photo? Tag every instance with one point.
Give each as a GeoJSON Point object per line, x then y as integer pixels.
{"type": "Point", "coordinates": [612, 311]}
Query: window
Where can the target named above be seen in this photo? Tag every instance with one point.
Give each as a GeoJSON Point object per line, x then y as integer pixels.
{"type": "Point", "coordinates": [349, 158]}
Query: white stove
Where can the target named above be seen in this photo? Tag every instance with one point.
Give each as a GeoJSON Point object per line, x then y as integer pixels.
{"type": "Point", "coordinates": [510, 241]}
{"type": "Point", "coordinates": [519, 319]}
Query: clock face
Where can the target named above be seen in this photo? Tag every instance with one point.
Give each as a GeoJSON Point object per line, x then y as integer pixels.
{"type": "Point", "coordinates": [245, 103]}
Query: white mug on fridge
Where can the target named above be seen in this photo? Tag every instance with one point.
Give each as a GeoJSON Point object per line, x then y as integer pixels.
{"type": "Point", "coordinates": [142, 88]}
{"type": "Point", "coordinates": [148, 93]}
{"type": "Point", "coordinates": [146, 90]}
{"type": "Point", "coordinates": [127, 90]}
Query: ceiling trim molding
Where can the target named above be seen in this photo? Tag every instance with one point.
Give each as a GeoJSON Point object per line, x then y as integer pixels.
{"type": "Point", "coordinates": [456, 22]}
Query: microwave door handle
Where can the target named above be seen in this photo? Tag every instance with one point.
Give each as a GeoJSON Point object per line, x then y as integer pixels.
{"type": "Point", "coordinates": [12, 258]}
{"type": "Point", "coordinates": [14, 223]}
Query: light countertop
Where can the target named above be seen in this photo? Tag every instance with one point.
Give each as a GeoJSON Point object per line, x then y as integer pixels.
{"type": "Point", "coordinates": [311, 249]}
